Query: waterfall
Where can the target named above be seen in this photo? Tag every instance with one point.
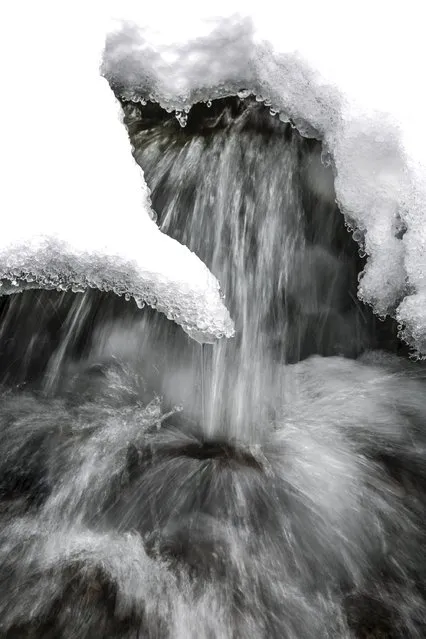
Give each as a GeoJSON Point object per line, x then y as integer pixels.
{"type": "Point", "coordinates": [274, 486]}
{"type": "Point", "coordinates": [236, 193]}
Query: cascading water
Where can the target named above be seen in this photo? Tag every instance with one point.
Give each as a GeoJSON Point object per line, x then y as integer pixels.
{"type": "Point", "coordinates": [146, 491]}
{"type": "Point", "coordinates": [236, 194]}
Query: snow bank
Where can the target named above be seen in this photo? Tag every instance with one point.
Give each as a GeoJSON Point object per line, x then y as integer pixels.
{"type": "Point", "coordinates": [347, 74]}
{"type": "Point", "coordinates": [75, 207]}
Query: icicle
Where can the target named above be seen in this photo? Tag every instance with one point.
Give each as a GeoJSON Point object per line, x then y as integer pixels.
{"type": "Point", "coordinates": [181, 117]}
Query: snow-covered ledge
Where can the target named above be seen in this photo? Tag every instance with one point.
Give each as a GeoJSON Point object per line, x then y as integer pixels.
{"type": "Point", "coordinates": [349, 74]}
{"type": "Point", "coordinates": [75, 207]}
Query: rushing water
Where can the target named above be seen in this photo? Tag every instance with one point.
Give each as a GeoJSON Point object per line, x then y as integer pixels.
{"type": "Point", "coordinates": [271, 486]}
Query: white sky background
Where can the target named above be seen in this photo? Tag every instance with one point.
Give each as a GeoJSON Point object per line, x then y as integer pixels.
{"type": "Point", "coordinates": [68, 173]}
{"type": "Point", "coordinates": [65, 162]}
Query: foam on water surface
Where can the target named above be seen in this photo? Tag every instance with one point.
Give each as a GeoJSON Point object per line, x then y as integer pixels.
{"type": "Point", "coordinates": [120, 519]}
{"type": "Point", "coordinates": [120, 516]}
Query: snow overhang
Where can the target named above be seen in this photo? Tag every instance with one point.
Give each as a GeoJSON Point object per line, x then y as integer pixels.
{"type": "Point", "coordinates": [349, 75]}
{"type": "Point", "coordinates": [343, 74]}
{"type": "Point", "coordinates": [76, 211]}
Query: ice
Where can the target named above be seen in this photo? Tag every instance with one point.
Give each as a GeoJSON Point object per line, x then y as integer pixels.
{"type": "Point", "coordinates": [347, 74]}
{"type": "Point", "coordinates": [75, 208]}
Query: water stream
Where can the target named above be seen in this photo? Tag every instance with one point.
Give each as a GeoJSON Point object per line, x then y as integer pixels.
{"type": "Point", "coordinates": [271, 486]}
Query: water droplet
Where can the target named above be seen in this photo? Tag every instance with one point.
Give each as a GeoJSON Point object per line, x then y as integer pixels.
{"type": "Point", "coordinates": [268, 102]}
{"type": "Point", "coordinates": [243, 93]}
{"type": "Point", "coordinates": [14, 283]}
{"type": "Point", "coordinates": [182, 118]}
{"type": "Point", "coordinates": [78, 288]}
{"type": "Point", "coordinates": [187, 109]}
{"type": "Point", "coordinates": [139, 302]}
{"type": "Point", "coordinates": [208, 104]}
{"type": "Point", "coordinates": [259, 98]}
{"type": "Point", "coordinates": [362, 253]}
{"type": "Point", "coordinates": [143, 102]}
{"type": "Point", "coordinates": [326, 159]}
{"type": "Point", "coordinates": [357, 236]}
{"type": "Point", "coordinates": [127, 297]}
{"type": "Point", "coordinates": [273, 111]}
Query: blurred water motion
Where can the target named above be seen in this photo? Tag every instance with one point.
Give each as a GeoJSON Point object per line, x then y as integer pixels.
{"type": "Point", "coordinates": [287, 503]}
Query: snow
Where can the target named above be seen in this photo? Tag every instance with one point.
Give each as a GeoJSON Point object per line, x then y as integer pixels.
{"type": "Point", "coordinates": [75, 207]}
{"type": "Point", "coordinates": [350, 74]}
{"type": "Point", "coordinates": [347, 74]}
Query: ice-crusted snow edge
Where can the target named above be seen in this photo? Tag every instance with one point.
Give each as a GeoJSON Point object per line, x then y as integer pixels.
{"type": "Point", "coordinates": [195, 304]}
{"type": "Point", "coordinates": [382, 198]}
{"type": "Point", "coordinates": [75, 208]}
